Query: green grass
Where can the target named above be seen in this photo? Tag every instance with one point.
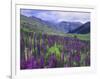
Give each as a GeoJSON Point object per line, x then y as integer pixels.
{"type": "Point", "coordinates": [85, 37]}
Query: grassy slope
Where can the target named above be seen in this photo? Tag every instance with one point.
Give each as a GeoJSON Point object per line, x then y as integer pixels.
{"type": "Point", "coordinates": [80, 36]}
{"type": "Point", "coordinates": [36, 25]}
{"type": "Point", "coordinates": [85, 37]}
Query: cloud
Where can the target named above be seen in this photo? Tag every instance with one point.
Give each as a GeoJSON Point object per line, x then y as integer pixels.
{"type": "Point", "coordinates": [57, 16]}
{"type": "Point", "coordinates": [26, 12]}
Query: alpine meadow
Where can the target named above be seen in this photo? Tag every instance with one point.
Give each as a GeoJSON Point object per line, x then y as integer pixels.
{"type": "Point", "coordinates": [54, 39]}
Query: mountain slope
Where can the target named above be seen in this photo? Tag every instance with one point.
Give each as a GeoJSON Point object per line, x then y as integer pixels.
{"type": "Point", "coordinates": [84, 29]}
{"type": "Point", "coordinates": [35, 24]}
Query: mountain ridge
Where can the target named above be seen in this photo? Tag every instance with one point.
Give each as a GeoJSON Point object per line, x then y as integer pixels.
{"type": "Point", "coordinates": [38, 24]}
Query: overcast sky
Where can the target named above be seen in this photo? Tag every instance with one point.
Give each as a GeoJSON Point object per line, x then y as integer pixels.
{"type": "Point", "coordinates": [57, 16]}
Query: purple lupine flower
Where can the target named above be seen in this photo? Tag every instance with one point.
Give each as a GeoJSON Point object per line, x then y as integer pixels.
{"type": "Point", "coordinates": [23, 64]}
{"type": "Point", "coordinates": [62, 56]}
{"type": "Point", "coordinates": [40, 62]}
{"type": "Point", "coordinates": [30, 62]}
{"type": "Point", "coordinates": [34, 40]}
{"type": "Point", "coordinates": [77, 58]}
{"type": "Point", "coordinates": [52, 61]}
{"type": "Point", "coordinates": [35, 64]}
{"type": "Point", "coordinates": [38, 49]}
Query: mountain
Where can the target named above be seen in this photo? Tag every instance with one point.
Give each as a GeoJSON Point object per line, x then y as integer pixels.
{"type": "Point", "coordinates": [68, 26]}
{"type": "Point", "coordinates": [83, 29]}
{"type": "Point", "coordinates": [36, 24]}
{"type": "Point", "coordinates": [39, 25]}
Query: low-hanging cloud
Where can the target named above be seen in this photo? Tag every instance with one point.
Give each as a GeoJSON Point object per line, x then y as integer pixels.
{"type": "Point", "coordinates": [57, 16]}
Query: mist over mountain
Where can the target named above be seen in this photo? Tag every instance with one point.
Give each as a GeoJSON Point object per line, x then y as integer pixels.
{"type": "Point", "coordinates": [66, 26]}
